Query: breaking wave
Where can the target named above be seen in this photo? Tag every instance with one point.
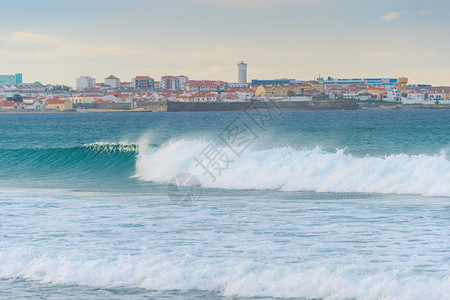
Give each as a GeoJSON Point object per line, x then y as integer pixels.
{"type": "Point", "coordinates": [288, 169]}
{"type": "Point", "coordinates": [283, 169]}
{"type": "Point", "coordinates": [230, 278]}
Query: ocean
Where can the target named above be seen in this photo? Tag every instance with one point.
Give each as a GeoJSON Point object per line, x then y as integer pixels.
{"type": "Point", "coordinates": [225, 205]}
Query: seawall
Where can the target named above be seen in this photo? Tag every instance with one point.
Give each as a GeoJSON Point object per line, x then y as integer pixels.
{"type": "Point", "coordinates": [254, 105]}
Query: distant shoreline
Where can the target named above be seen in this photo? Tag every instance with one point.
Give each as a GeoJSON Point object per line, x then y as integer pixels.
{"type": "Point", "coordinates": [95, 110]}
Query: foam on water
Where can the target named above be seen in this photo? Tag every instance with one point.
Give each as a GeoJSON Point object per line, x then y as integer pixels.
{"type": "Point", "coordinates": [268, 248]}
{"type": "Point", "coordinates": [229, 277]}
{"type": "Point", "coordinates": [289, 169]}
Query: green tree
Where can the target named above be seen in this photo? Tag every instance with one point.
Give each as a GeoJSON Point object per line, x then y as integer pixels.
{"type": "Point", "coordinates": [61, 88]}
{"type": "Point", "coordinates": [15, 98]}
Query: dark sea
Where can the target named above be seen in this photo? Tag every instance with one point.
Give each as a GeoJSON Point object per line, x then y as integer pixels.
{"type": "Point", "coordinates": [225, 205]}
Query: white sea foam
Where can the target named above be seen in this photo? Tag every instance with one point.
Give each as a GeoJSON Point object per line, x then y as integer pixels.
{"type": "Point", "coordinates": [229, 277]}
{"type": "Point", "coordinates": [289, 169]}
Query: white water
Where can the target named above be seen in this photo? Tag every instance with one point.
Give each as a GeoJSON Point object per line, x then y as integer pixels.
{"type": "Point", "coordinates": [229, 277]}
{"type": "Point", "coordinates": [314, 247]}
{"type": "Point", "coordinates": [289, 169]}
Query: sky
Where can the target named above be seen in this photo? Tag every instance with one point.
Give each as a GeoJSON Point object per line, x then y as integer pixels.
{"type": "Point", "coordinates": [56, 41]}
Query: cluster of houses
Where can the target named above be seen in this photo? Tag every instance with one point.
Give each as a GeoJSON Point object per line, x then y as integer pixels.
{"type": "Point", "coordinates": [390, 93]}
{"type": "Point", "coordinates": [114, 94]}
{"type": "Point", "coordinates": [42, 98]}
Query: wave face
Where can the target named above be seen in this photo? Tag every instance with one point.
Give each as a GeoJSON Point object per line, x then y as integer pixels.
{"type": "Point", "coordinates": [288, 169]}
{"type": "Point", "coordinates": [93, 156]}
{"type": "Point", "coordinates": [54, 166]}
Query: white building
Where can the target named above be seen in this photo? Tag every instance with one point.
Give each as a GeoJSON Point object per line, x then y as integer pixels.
{"type": "Point", "coordinates": [436, 96]}
{"type": "Point", "coordinates": [33, 103]}
{"type": "Point", "coordinates": [393, 95]}
{"type": "Point", "coordinates": [85, 82]}
{"type": "Point", "coordinates": [173, 83]}
{"type": "Point", "coordinates": [205, 86]}
{"type": "Point", "coordinates": [349, 93]}
{"type": "Point", "coordinates": [112, 81]}
{"type": "Point", "coordinates": [142, 82]}
{"type": "Point", "coordinates": [182, 81]}
{"type": "Point", "coordinates": [204, 97]}
{"type": "Point", "coordinates": [237, 86]}
{"type": "Point", "coordinates": [414, 97]}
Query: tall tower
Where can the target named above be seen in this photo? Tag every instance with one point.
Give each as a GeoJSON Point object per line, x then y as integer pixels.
{"type": "Point", "coordinates": [242, 73]}
{"type": "Point", "coordinates": [402, 85]}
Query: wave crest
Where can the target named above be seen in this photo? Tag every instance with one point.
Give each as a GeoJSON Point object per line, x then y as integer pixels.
{"type": "Point", "coordinates": [112, 147]}
{"type": "Point", "coordinates": [289, 169]}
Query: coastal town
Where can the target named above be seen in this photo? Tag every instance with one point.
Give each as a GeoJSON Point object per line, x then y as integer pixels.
{"type": "Point", "coordinates": [143, 92]}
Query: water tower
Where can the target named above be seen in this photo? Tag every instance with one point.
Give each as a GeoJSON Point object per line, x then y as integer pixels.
{"type": "Point", "coordinates": [402, 85]}
{"type": "Point", "coordinates": [242, 73]}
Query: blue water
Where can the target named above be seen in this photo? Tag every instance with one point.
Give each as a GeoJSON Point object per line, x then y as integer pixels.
{"type": "Point", "coordinates": [306, 205]}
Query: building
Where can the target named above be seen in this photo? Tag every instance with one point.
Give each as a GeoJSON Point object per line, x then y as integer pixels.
{"type": "Point", "coordinates": [374, 91]}
{"type": "Point", "coordinates": [126, 84]}
{"type": "Point", "coordinates": [314, 85]}
{"type": "Point", "coordinates": [143, 82]}
{"type": "Point", "coordinates": [414, 97]}
{"type": "Point", "coordinates": [112, 81]}
{"type": "Point", "coordinates": [436, 96]}
{"type": "Point", "coordinates": [393, 95]}
{"type": "Point", "coordinates": [61, 105]}
{"type": "Point", "coordinates": [85, 82]}
{"type": "Point", "coordinates": [173, 83]}
{"type": "Point", "coordinates": [117, 97]}
{"type": "Point", "coordinates": [349, 93]}
{"type": "Point", "coordinates": [238, 86]}
{"type": "Point", "coordinates": [32, 103]}
{"type": "Point", "coordinates": [205, 86]}
{"type": "Point", "coordinates": [203, 97]}
{"type": "Point", "coordinates": [256, 82]}
{"type": "Point", "coordinates": [84, 99]}
{"type": "Point", "coordinates": [11, 79]}
{"type": "Point", "coordinates": [9, 105]}
{"type": "Point", "coordinates": [242, 73]}
{"type": "Point", "coordinates": [26, 90]}
{"type": "Point", "coordinates": [289, 90]}
{"type": "Point", "coordinates": [361, 81]}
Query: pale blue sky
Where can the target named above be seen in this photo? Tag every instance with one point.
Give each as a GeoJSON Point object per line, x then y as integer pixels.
{"type": "Point", "coordinates": [57, 41]}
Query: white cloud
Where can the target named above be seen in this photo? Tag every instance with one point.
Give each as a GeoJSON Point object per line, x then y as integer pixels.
{"type": "Point", "coordinates": [426, 12]}
{"type": "Point", "coordinates": [391, 16]}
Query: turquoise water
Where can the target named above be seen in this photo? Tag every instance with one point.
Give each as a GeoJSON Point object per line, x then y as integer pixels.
{"type": "Point", "coordinates": [309, 205]}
